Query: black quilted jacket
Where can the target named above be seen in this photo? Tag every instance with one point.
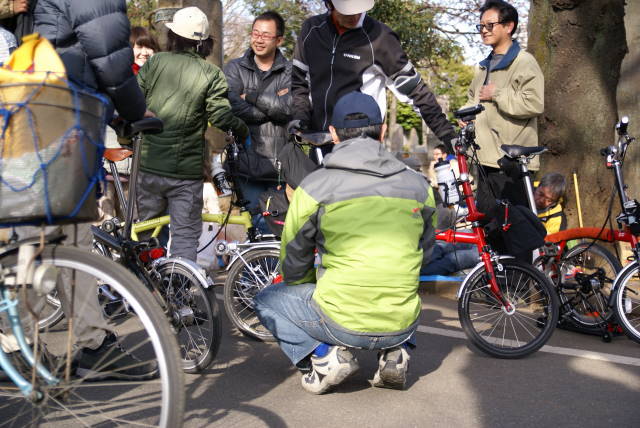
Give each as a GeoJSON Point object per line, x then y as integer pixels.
{"type": "Point", "coordinates": [92, 38]}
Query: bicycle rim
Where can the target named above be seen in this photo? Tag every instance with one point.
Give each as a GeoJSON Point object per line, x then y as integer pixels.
{"type": "Point", "coordinates": [244, 281]}
{"type": "Point", "coordinates": [194, 316]}
{"type": "Point", "coordinates": [91, 399]}
{"type": "Point", "coordinates": [627, 301]}
{"type": "Point", "coordinates": [512, 333]}
{"type": "Point", "coordinates": [53, 312]}
{"type": "Point", "coordinates": [586, 303]}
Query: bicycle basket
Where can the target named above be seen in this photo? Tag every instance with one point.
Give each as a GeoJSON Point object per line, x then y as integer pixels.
{"type": "Point", "coordinates": [50, 153]}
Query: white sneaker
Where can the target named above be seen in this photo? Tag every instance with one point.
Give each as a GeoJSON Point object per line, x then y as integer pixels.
{"type": "Point", "coordinates": [329, 370]}
{"type": "Point", "coordinates": [392, 368]}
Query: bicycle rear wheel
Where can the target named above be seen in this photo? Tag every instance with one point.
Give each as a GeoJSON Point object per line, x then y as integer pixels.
{"type": "Point", "coordinates": [511, 333]}
{"type": "Point", "coordinates": [194, 314]}
{"type": "Point", "coordinates": [249, 274]}
{"type": "Point", "coordinates": [585, 281]}
{"type": "Point", "coordinates": [98, 397]}
{"type": "Point", "coordinates": [627, 301]}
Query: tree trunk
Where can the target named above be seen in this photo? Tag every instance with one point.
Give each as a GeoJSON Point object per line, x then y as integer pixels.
{"type": "Point", "coordinates": [629, 94]}
{"type": "Point", "coordinates": [579, 45]}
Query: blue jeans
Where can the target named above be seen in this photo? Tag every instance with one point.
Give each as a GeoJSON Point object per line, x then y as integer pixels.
{"type": "Point", "coordinates": [448, 258]}
{"type": "Point", "coordinates": [251, 190]}
{"type": "Point", "coordinates": [289, 313]}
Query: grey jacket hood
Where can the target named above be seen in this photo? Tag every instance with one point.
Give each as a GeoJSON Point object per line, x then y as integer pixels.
{"type": "Point", "coordinates": [363, 155]}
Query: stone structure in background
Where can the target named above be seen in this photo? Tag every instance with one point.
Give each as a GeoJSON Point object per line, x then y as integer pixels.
{"type": "Point", "coordinates": [396, 138]}
{"type": "Point", "coordinates": [412, 141]}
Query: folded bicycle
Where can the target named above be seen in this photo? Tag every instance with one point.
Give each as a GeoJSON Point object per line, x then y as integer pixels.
{"type": "Point", "coordinates": [507, 308]}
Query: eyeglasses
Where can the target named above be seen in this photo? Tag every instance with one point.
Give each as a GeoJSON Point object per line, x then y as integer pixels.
{"type": "Point", "coordinates": [541, 194]}
{"type": "Point", "coordinates": [489, 26]}
{"type": "Point", "coordinates": [264, 36]}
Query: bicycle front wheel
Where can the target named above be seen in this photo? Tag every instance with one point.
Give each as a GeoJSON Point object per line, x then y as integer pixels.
{"type": "Point", "coordinates": [627, 301]}
{"type": "Point", "coordinates": [132, 378]}
{"type": "Point", "coordinates": [249, 274]}
{"type": "Point", "coordinates": [195, 315]}
{"type": "Point", "coordinates": [515, 332]}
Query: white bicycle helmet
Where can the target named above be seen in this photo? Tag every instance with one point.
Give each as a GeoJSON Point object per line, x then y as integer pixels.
{"type": "Point", "coordinates": [352, 7]}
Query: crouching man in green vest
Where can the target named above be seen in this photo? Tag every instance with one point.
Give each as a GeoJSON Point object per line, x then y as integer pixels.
{"type": "Point", "coordinates": [372, 221]}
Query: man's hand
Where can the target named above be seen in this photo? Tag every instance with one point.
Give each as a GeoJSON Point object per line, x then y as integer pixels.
{"type": "Point", "coordinates": [487, 92]}
{"type": "Point", "coordinates": [149, 113]}
{"type": "Point", "coordinates": [20, 6]}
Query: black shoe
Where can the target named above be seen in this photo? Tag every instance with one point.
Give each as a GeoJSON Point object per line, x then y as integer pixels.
{"type": "Point", "coordinates": [112, 361]}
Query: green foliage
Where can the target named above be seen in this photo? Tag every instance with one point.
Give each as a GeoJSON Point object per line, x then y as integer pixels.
{"type": "Point", "coordinates": [408, 118]}
{"type": "Point", "coordinates": [415, 24]}
{"type": "Point", "coordinates": [452, 79]}
{"type": "Point", "coordinates": [294, 13]}
{"type": "Point", "coordinates": [139, 10]}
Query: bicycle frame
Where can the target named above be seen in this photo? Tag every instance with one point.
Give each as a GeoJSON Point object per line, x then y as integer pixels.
{"type": "Point", "coordinates": [156, 224]}
{"type": "Point", "coordinates": [477, 237]}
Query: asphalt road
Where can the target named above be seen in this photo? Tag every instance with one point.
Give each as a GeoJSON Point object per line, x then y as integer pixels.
{"type": "Point", "coordinates": [577, 380]}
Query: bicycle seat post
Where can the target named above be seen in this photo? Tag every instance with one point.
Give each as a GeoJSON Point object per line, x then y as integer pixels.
{"type": "Point", "coordinates": [133, 177]}
{"type": "Point", "coordinates": [118, 185]}
{"type": "Point", "coordinates": [523, 161]}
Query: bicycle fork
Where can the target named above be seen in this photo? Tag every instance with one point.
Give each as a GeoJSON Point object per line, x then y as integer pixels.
{"type": "Point", "coordinates": [493, 282]}
{"type": "Point", "coordinates": [9, 305]}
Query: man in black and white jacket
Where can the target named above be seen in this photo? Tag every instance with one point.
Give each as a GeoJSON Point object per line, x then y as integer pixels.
{"type": "Point", "coordinates": [345, 50]}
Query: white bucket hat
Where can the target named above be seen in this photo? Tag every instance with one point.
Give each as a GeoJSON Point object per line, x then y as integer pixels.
{"type": "Point", "coordinates": [352, 7]}
{"type": "Point", "coordinates": [190, 23]}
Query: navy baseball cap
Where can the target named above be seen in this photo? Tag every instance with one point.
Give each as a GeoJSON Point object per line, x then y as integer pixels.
{"type": "Point", "coordinates": [356, 102]}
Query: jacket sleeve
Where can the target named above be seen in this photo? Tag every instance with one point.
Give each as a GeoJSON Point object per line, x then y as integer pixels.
{"type": "Point", "coordinates": [218, 108]}
{"type": "Point", "coordinates": [523, 97]}
{"type": "Point", "coordinates": [300, 90]}
{"type": "Point", "coordinates": [276, 100]}
{"type": "Point", "coordinates": [102, 28]}
{"type": "Point", "coordinates": [298, 239]}
{"type": "Point", "coordinates": [406, 84]}
{"type": "Point", "coordinates": [249, 113]}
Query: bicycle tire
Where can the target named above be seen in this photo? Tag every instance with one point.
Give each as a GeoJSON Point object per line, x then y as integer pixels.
{"type": "Point", "coordinates": [535, 311]}
{"type": "Point", "coordinates": [627, 301]}
{"type": "Point", "coordinates": [588, 305]}
{"type": "Point", "coordinates": [195, 316]}
{"type": "Point", "coordinates": [242, 285]}
{"type": "Point", "coordinates": [79, 402]}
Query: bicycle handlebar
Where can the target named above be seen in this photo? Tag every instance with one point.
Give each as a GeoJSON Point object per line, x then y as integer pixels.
{"type": "Point", "coordinates": [468, 114]}
{"type": "Point", "coordinates": [623, 125]}
{"type": "Point", "coordinates": [316, 139]}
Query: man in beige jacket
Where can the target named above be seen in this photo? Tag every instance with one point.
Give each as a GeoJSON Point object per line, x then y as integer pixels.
{"type": "Point", "coordinates": [510, 86]}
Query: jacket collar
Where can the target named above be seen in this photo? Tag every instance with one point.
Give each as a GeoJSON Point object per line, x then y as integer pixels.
{"type": "Point", "coordinates": [363, 155]}
{"type": "Point", "coordinates": [333, 28]}
{"type": "Point", "coordinates": [247, 61]}
{"type": "Point", "coordinates": [507, 59]}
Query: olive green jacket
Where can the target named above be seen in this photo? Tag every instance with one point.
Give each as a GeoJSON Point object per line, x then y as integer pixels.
{"type": "Point", "coordinates": [511, 116]}
{"type": "Point", "coordinates": [185, 92]}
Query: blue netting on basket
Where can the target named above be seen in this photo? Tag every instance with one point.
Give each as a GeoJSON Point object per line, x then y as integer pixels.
{"type": "Point", "coordinates": [51, 147]}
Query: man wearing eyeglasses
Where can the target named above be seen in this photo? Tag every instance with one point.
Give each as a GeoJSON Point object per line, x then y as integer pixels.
{"type": "Point", "coordinates": [259, 84]}
{"type": "Point", "coordinates": [510, 85]}
{"type": "Point", "coordinates": [345, 50]}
